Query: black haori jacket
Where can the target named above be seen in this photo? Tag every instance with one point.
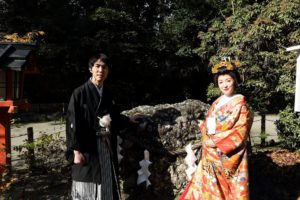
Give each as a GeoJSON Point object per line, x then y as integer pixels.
{"type": "Point", "coordinates": [81, 126]}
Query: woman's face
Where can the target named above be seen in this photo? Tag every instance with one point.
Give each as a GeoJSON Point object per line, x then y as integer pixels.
{"type": "Point", "coordinates": [226, 84]}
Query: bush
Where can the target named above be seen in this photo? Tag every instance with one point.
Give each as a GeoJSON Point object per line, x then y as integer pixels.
{"type": "Point", "coordinates": [48, 153]}
{"type": "Point", "coordinates": [288, 127]}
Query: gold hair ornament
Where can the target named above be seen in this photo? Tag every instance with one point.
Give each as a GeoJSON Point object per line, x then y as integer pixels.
{"type": "Point", "coordinates": [226, 64]}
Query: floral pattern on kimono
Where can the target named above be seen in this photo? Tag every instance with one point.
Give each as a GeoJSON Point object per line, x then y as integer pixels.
{"type": "Point", "coordinates": [222, 173]}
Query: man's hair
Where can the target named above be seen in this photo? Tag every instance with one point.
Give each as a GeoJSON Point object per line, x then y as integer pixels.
{"type": "Point", "coordinates": [104, 58]}
{"type": "Point", "coordinates": [233, 73]}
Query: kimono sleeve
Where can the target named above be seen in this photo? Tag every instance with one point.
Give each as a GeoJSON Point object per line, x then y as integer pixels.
{"type": "Point", "coordinates": [71, 120]}
{"type": "Point", "coordinates": [235, 137]}
{"type": "Point", "coordinates": [203, 125]}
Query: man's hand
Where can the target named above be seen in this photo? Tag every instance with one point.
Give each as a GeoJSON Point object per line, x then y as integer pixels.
{"type": "Point", "coordinates": [79, 158]}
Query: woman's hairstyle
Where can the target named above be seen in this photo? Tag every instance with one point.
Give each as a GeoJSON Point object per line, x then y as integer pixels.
{"type": "Point", "coordinates": [227, 66]}
{"type": "Point", "coordinates": [233, 73]}
{"type": "Point", "coordinates": [96, 57]}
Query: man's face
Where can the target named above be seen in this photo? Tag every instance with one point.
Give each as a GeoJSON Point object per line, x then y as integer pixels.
{"type": "Point", "coordinates": [99, 72]}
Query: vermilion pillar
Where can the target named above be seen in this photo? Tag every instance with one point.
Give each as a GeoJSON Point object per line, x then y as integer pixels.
{"type": "Point", "coordinates": [5, 143]}
{"type": "Point", "coordinates": [16, 60]}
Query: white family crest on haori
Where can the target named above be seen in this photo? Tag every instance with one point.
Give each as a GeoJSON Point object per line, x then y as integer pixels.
{"type": "Point", "coordinates": [190, 160]}
{"type": "Point", "coordinates": [105, 121]}
{"type": "Point", "coordinates": [144, 173]}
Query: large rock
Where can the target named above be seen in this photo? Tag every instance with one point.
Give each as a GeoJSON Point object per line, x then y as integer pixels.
{"type": "Point", "coordinates": [164, 132]}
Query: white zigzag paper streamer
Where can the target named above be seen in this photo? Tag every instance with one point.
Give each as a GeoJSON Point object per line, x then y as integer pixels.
{"type": "Point", "coordinates": [143, 172]}
{"type": "Point", "coordinates": [190, 160]}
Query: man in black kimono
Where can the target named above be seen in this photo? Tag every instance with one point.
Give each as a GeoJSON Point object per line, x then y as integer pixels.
{"type": "Point", "coordinates": [91, 147]}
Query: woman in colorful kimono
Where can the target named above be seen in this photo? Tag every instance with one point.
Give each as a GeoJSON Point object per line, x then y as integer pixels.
{"type": "Point", "coordinates": [222, 173]}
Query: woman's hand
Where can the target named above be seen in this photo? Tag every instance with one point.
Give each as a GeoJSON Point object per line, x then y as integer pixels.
{"type": "Point", "coordinates": [210, 143]}
{"type": "Point", "coordinates": [200, 122]}
{"type": "Point", "coordinates": [79, 158]}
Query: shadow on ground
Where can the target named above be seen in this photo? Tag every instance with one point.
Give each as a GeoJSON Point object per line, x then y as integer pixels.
{"type": "Point", "coordinates": [275, 175]}
{"type": "Point", "coordinates": [38, 184]}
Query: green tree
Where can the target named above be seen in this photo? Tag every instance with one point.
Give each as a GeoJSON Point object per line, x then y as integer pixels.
{"type": "Point", "coordinates": [257, 33]}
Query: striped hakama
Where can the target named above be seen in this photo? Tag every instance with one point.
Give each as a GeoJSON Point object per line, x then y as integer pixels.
{"type": "Point", "coordinates": [85, 191]}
